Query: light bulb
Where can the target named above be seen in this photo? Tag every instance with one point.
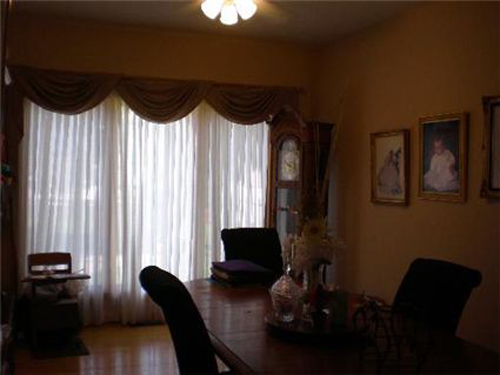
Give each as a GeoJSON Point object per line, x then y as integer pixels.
{"type": "Point", "coordinates": [228, 14]}
{"type": "Point", "coordinates": [246, 8]}
{"type": "Point", "coordinates": [211, 8]}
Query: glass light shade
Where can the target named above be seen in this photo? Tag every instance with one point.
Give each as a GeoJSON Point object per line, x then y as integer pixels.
{"type": "Point", "coordinates": [229, 15]}
{"type": "Point", "coordinates": [212, 8]}
{"type": "Point", "coordinates": [246, 8]}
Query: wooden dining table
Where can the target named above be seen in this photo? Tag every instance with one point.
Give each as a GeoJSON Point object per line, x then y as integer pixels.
{"type": "Point", "coordinates": [235, 319]}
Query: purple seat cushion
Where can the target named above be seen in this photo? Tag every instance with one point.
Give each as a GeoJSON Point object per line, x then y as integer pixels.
{"type": "Point", "coordinates": [239, 266]}
{"type": "Point", "coordinates": [257, 245]}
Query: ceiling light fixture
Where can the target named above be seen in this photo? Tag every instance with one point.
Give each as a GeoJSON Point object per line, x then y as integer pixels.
{"type": "Point", "coordinates": [229, 10]}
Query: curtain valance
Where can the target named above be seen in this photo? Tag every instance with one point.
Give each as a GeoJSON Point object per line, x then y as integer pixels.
{"type": "Point", "coordinates": [158, 100]}
{"type": "Point", "coordinates": [63, 92]}
{"type": "Point", "coordinates": [250, 105]}
{"type": "Point", "coordinates": [162, 101]}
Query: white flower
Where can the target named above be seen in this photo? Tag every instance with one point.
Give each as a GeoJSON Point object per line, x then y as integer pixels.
{"type": "Point", "coordinates": [315, 246]}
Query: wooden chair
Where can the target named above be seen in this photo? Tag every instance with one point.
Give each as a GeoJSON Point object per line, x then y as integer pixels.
{"type": "Point", "coordinates": [55, 310]}
{"type": "Point", "coordinates": [47, 260]}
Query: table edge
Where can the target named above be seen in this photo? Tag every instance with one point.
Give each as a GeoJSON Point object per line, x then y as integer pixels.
{"type": "Point", "coordinates": [231, 360]}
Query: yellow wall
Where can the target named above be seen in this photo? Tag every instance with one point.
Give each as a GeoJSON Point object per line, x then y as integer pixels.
{"type": "Point", "coordinates": [79, 46]}
{"type": "Point", "coordinates": [437, 58]}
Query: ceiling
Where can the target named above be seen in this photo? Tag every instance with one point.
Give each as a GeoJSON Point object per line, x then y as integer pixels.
{"type": "Point", "coordinates": [315, 22]}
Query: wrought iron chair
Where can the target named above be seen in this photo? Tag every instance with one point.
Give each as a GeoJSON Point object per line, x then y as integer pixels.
{"type": "Point", "coordinates": [429, 302]}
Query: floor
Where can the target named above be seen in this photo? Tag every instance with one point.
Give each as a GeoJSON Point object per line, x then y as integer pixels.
{"type": "Point", "coordinates": [114, 349]}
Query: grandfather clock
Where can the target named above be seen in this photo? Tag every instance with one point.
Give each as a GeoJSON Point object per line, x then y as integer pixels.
{"type": "Point", "coordinates": [298, 160]}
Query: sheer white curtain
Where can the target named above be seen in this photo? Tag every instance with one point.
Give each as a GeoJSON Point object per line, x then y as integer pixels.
{"type": "Point", "coordinates": [121, 193]}
{"type": "Point", "coordinates": [65, 192]}
{"type": "Point", "coordinates": [232, 180]}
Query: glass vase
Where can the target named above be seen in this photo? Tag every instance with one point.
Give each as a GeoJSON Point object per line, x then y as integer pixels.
{"type": "Point", "coordinates": [312, 284]}
{"type": "Point", "coordinates": [285, 296]}
{"type": "Point", "coordinates": [313, 277]}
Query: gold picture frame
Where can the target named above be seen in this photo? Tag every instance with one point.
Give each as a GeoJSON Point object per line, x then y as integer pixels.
{"type": "Point", "coordinates": [443, 157]}
{"type": "Point", "coordinates": [490, 186]}
{"type": "Point", "coordinates": [390, 167]}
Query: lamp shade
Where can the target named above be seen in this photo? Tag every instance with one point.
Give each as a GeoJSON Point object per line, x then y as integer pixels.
{"type": "Point", "coordinates": [229, 15]}
{"type": "Point", "coordinates": [229, 10]}
{"type": "Point", "coordinates": [246, 8]}
{"type": "Point", "coordinates": [212, 8]}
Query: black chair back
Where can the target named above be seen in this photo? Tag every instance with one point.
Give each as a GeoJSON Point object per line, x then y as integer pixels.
{"type": "Point", "coordinates": [435, 292]}
{"type": "Point", "coordinates": [259, 245]}
{"type": "Point", "coordinates": [193, 348]}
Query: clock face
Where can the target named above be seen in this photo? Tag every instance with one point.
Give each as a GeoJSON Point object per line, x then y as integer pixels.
{"type": "Point", "coordinates": [289, 161]}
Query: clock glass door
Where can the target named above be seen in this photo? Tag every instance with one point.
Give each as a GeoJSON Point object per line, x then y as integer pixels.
{"type": "Point", "coordinates": [289, 161]}
{"type": "Point", "coordinates": [287, 207]}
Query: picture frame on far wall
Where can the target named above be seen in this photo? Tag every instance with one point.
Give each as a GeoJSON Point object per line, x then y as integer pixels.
{"type": "Point", "coordinates": [390, 167]}
{"type": "Point", "coordinates": [490, 187]}
{"type": "Point", "coordinates": [443, 157]}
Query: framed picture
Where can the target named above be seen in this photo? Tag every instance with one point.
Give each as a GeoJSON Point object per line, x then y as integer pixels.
{"type": "Point", "coordinates": [389, 166]}
{"type": "Point", "coordinates": [490, 187]}
{"type": "Point", "coordinates": [443, 157]}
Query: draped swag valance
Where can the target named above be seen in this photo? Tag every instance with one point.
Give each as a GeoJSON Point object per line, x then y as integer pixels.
{"type": "Point", "coordinates": [157, 100]}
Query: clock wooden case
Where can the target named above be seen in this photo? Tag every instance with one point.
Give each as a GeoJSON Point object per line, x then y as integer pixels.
{"type": "Point", "coordinates": [298, 154]}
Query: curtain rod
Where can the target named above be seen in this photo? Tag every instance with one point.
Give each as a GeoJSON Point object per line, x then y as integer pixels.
{"type": "Point", "coordinates": [298, 89]}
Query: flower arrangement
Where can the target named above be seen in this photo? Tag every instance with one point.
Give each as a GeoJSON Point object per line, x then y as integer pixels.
{"type": "Point", "coordinates": [315, 247]}
{"type": "Point", "coordinates": [312, 248]}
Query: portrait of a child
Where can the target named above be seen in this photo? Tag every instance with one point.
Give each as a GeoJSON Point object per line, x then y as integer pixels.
{"type": "Point", "coordinates": [443, 157]}
{"type": "Point", "coordinates": [442, 174]}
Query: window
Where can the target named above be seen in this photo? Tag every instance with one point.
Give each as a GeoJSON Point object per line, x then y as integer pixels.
{"type": "Point", "coordinates": [121, 193]}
